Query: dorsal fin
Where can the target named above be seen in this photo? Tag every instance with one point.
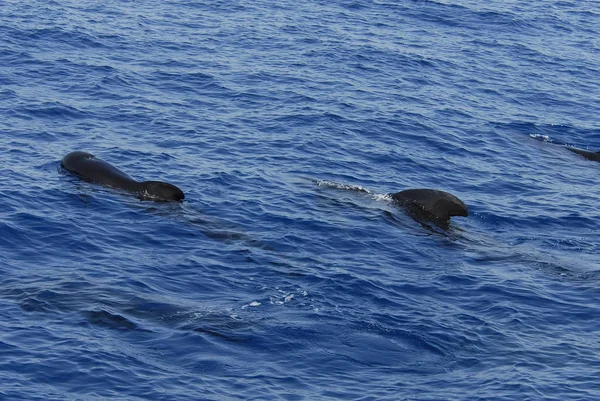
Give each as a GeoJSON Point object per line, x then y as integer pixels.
{"type": "Point", "coordinates": [431, 204]}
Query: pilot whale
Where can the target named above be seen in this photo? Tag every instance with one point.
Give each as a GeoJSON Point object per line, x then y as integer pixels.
{"type": "Point", "coordinates": [422, 204]}
{"type": "Point", "coordinates": [91, 168]}
{"type": "Point", "coordinates": [593, 156]}
{"type": "Point", "coordinates": [430, 205]}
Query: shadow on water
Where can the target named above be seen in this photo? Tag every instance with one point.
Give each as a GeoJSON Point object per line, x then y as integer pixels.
{"type": "Point", "coordinates": [482, 249]}
{"type": "Point", "coordinates": [151, 316]}
{"type": "Point", "coordinates": [216, 228]}
{"type": "Point", "coordinates": [109, 320]}
{"type": "Point", "coordinates": [108, 308]}
{"type": "Point", "coordinates": [185, 212]}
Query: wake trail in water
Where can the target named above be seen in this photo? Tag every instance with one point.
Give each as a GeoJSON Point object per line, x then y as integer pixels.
{"type": "Point", "coordinates": [355, 188]}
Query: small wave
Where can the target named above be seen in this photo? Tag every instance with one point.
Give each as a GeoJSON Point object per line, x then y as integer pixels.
{"type": "Point", "coordinates": [50, 110]}
{"type": "Point", "coordinates": [109, 320]}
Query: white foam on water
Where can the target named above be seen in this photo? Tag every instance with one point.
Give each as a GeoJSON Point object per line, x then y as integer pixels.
{"type": "Point", "coordinates": [540, 137]}
{"type": "Point", "coordinates": [252, 304]}
{"type": "Point", "coordinates": [347, 187]}
{"type": "Point", "coordinates": [382, 197]}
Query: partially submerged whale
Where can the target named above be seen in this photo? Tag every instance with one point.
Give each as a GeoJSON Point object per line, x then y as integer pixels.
{"type": "Point", "coordinates": [93, 169]}
{"type": "Point", "coordinates": [593, 156]}
{"type": "Point", "coordinates": [424, 205]}
{"type": "Point", "coordinates": [430, 205]}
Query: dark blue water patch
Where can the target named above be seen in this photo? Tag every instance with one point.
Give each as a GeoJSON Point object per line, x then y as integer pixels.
{"type": "Point", "coordinates": [109, 320]}
{"type": "Point", "coordinates": [190, 82]}
{"type": "Point", "coordinates": [51, 110]}
{"type": "Point", "coordinates": [74, 39]}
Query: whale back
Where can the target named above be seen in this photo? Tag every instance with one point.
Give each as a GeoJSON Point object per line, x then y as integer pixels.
{"type": "Point", "coordinates": [160, 191]}
{"type": "Point", "coordinates": [91, 168]}
{"type": "Point", "coordinates": [430, 204]}
{"type": "Point", "coordinates": [593, 156]}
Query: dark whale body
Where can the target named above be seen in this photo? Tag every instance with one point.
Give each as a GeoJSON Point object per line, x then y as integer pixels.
{"type": "Point", "coordinates": [594, 156]}
{"type": "Point", "coordinates": [430, 205]}
{"type": "Point", "coordinates": [93, 169]}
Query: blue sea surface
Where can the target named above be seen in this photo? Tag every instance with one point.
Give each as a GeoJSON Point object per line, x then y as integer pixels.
{"type": "Point", "coordinates": [278, 278]}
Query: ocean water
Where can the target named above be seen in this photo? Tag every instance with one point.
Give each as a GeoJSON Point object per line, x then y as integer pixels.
{"type": "Point", "coordinates": [276, 279]}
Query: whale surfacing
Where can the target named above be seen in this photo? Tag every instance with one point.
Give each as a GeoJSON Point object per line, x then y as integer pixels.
{"type": "Point", "coordinates": [430, 205]}
{"type": "Point", "coordinates": [593, 156]}
{"type": "Point", "coordinates": [91, 168]}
